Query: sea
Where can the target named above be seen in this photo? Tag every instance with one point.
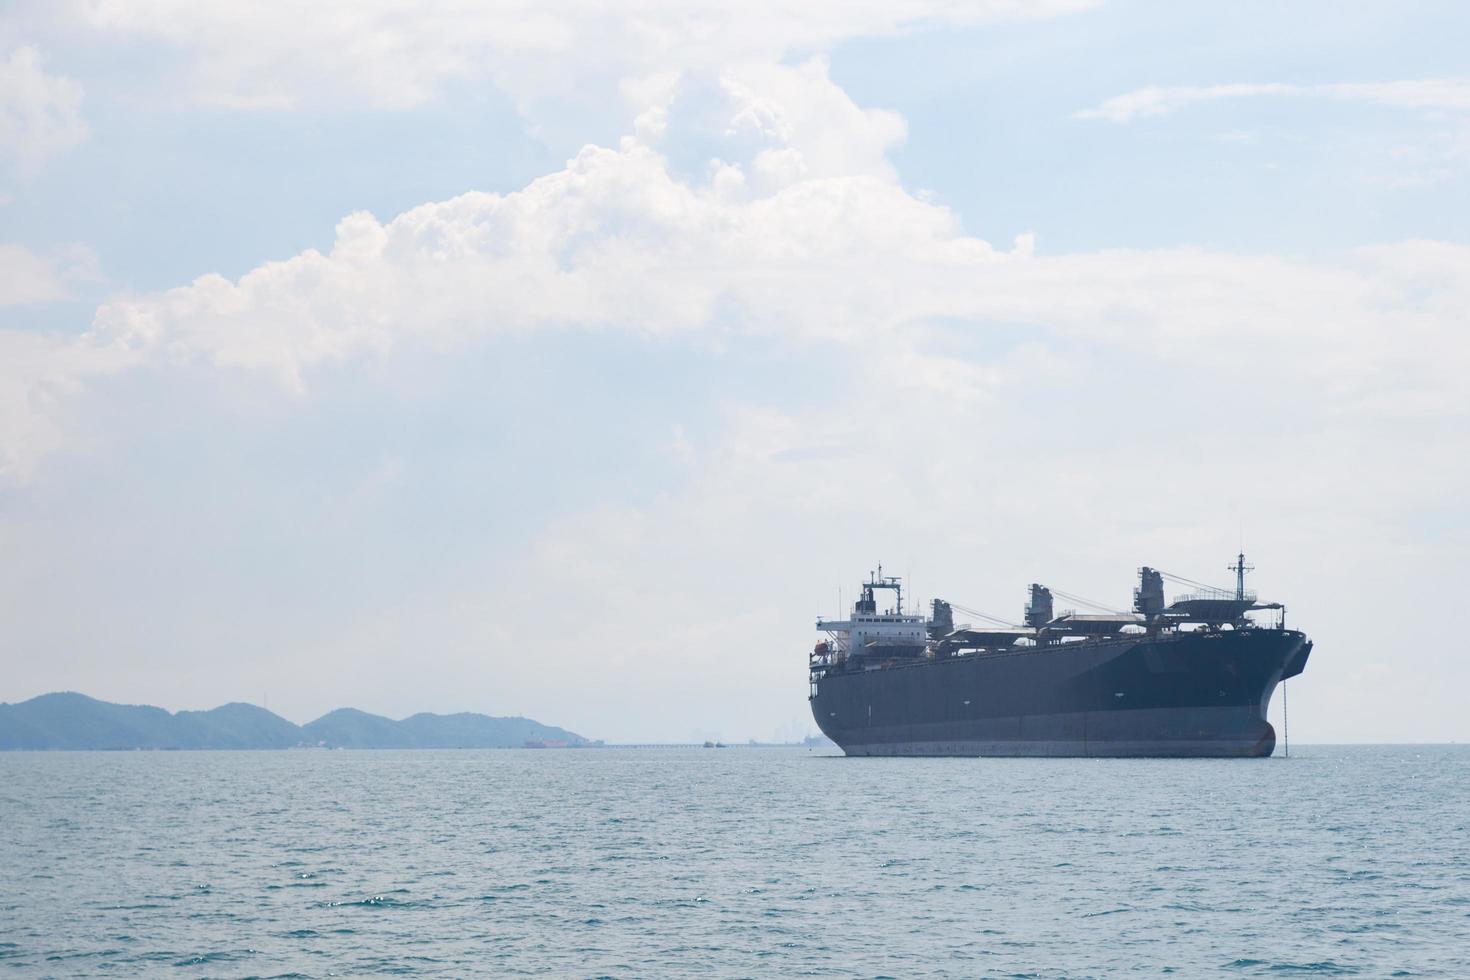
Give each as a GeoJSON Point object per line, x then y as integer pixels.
{"type": "Point", "coordinates": [739, 862]}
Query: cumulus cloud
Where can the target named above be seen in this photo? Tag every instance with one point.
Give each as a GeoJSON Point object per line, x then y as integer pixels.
{"type": "Point", "coordinates": [40, 113]}
{"type": "Point", "coordinates": [394, 54]}
{"type": "Point", "coordinates": [1085, 411]}
{"type": "Point", "coordinates": [1449, 94]}
{"type": "Point", "coordinates": [827, 248]}
{"type": "Point", "coordinates": [613, 239]}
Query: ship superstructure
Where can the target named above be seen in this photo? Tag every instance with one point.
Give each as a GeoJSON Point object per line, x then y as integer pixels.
{"type": "Point", "coordinates": [870, 634]}
{"type": "Point", "coordinates": [1191, 677]}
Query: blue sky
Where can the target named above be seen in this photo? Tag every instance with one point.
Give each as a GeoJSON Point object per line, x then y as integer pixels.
{"type": "Point", "coordinates": [992, 127]}
{"type": "Point", "coordinates": [564, 360]}
{"type": "Point", "coordinates": [991, 122]}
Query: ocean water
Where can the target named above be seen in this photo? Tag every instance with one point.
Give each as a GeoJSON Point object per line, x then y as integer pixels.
{"type": "Point", "coordinates": [741, 862]}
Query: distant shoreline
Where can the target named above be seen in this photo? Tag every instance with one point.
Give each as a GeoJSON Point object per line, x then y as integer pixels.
{"type": "Point", "coordinates": [70, 721]}
{"type": "Point", "coordinates": [453, 748]}
{"type": "Point", "coordinates": [640, 746]}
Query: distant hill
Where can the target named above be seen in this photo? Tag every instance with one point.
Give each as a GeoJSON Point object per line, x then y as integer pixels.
{"type": "Point", "coordinates": [74, 721]}
{"type": "Point", "coordinates": [351, 729]}
{"type": "Point", "coordinates": [238, 726]}
{"type": "Point", "coordinates": [355, 729]}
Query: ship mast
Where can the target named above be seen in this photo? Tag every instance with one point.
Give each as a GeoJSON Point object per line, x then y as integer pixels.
{"type": "Point", "coordinates": [1240, 568]}
{"type": "Point", "coordinates": [879, 581]}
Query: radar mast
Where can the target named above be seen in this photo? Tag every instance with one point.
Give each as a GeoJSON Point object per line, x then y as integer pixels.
{"type": "Point", "coordinates": [1240, 568]}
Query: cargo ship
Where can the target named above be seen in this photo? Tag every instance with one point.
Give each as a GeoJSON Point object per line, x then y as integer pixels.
{"type": "Point", "coordinates": [1189, 678]}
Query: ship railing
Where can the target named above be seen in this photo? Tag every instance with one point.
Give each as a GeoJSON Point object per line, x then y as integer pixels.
{"type": "Point", "coordinates": [1215, 595]}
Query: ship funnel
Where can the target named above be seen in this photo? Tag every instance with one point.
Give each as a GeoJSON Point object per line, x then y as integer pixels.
{"type": "Point", "coordinates": [1038, 610]}
{"type": "Point", "coordinates": [1148, 598]}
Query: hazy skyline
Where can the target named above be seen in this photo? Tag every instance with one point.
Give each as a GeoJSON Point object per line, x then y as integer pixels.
{"type": "Point", "coordinates": [564, 361]}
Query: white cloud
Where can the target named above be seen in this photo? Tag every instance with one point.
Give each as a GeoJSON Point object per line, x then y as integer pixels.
{"type": "Point", "coordinates": [39, 370]}
{"type": "Point", "coordinates": [395, 54]}
{"type": "Point", "coordinates": [808, 127]}
{"type": "Point", "coordinates": [40, 114]}
{"type": "Point", "coordinates": [1448, 94]}
{"type": "Point", "coordinates": [26, 277]}
{"type": "Point", "coordinates": [1154, 100]}
{"type": "Point", "coordinates": [830, 250]}
{"type": "Point", "coordinates": [1421, 93]}
{"type": "Point", "coordinates": [39, 374]}
{"type": "Point", "coordinates": [1079, 412]}
{"type": "Point", "coordinates": [615, 238]}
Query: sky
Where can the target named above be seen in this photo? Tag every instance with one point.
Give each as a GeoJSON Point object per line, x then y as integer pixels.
{"type": "Point", "coordinates": [566, 359]}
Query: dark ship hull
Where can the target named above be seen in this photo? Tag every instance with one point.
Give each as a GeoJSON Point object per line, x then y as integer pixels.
{"type": "Point", "coordinates": [1178, 694]}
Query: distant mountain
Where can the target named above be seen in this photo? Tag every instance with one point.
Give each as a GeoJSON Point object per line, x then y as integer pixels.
{"type": "Point", "coordinates": [466, 730]}
{"type": "Point", "coordinates": [74, 721]}
{"type": "Point", "coordinates": [352, 729]}
{"type": "Point", "coordinates": [355, 729]}
{"type": "Point", "coordinates": [238, 726]}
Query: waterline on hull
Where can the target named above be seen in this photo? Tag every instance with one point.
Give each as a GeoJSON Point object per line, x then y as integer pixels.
{"type": "Point", "coordinates": [1237, 731]}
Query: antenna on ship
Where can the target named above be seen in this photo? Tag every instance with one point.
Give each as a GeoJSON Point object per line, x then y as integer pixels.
{"type": "Point", "coordinates": [1240, 568]}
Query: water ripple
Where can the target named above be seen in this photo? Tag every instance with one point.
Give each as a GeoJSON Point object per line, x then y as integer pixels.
{"type": "Point", "coordinates": [1342, 861]}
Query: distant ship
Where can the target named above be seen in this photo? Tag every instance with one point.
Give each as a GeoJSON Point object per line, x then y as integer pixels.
{"type": "Point", "coordinates": [1191, 678]}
